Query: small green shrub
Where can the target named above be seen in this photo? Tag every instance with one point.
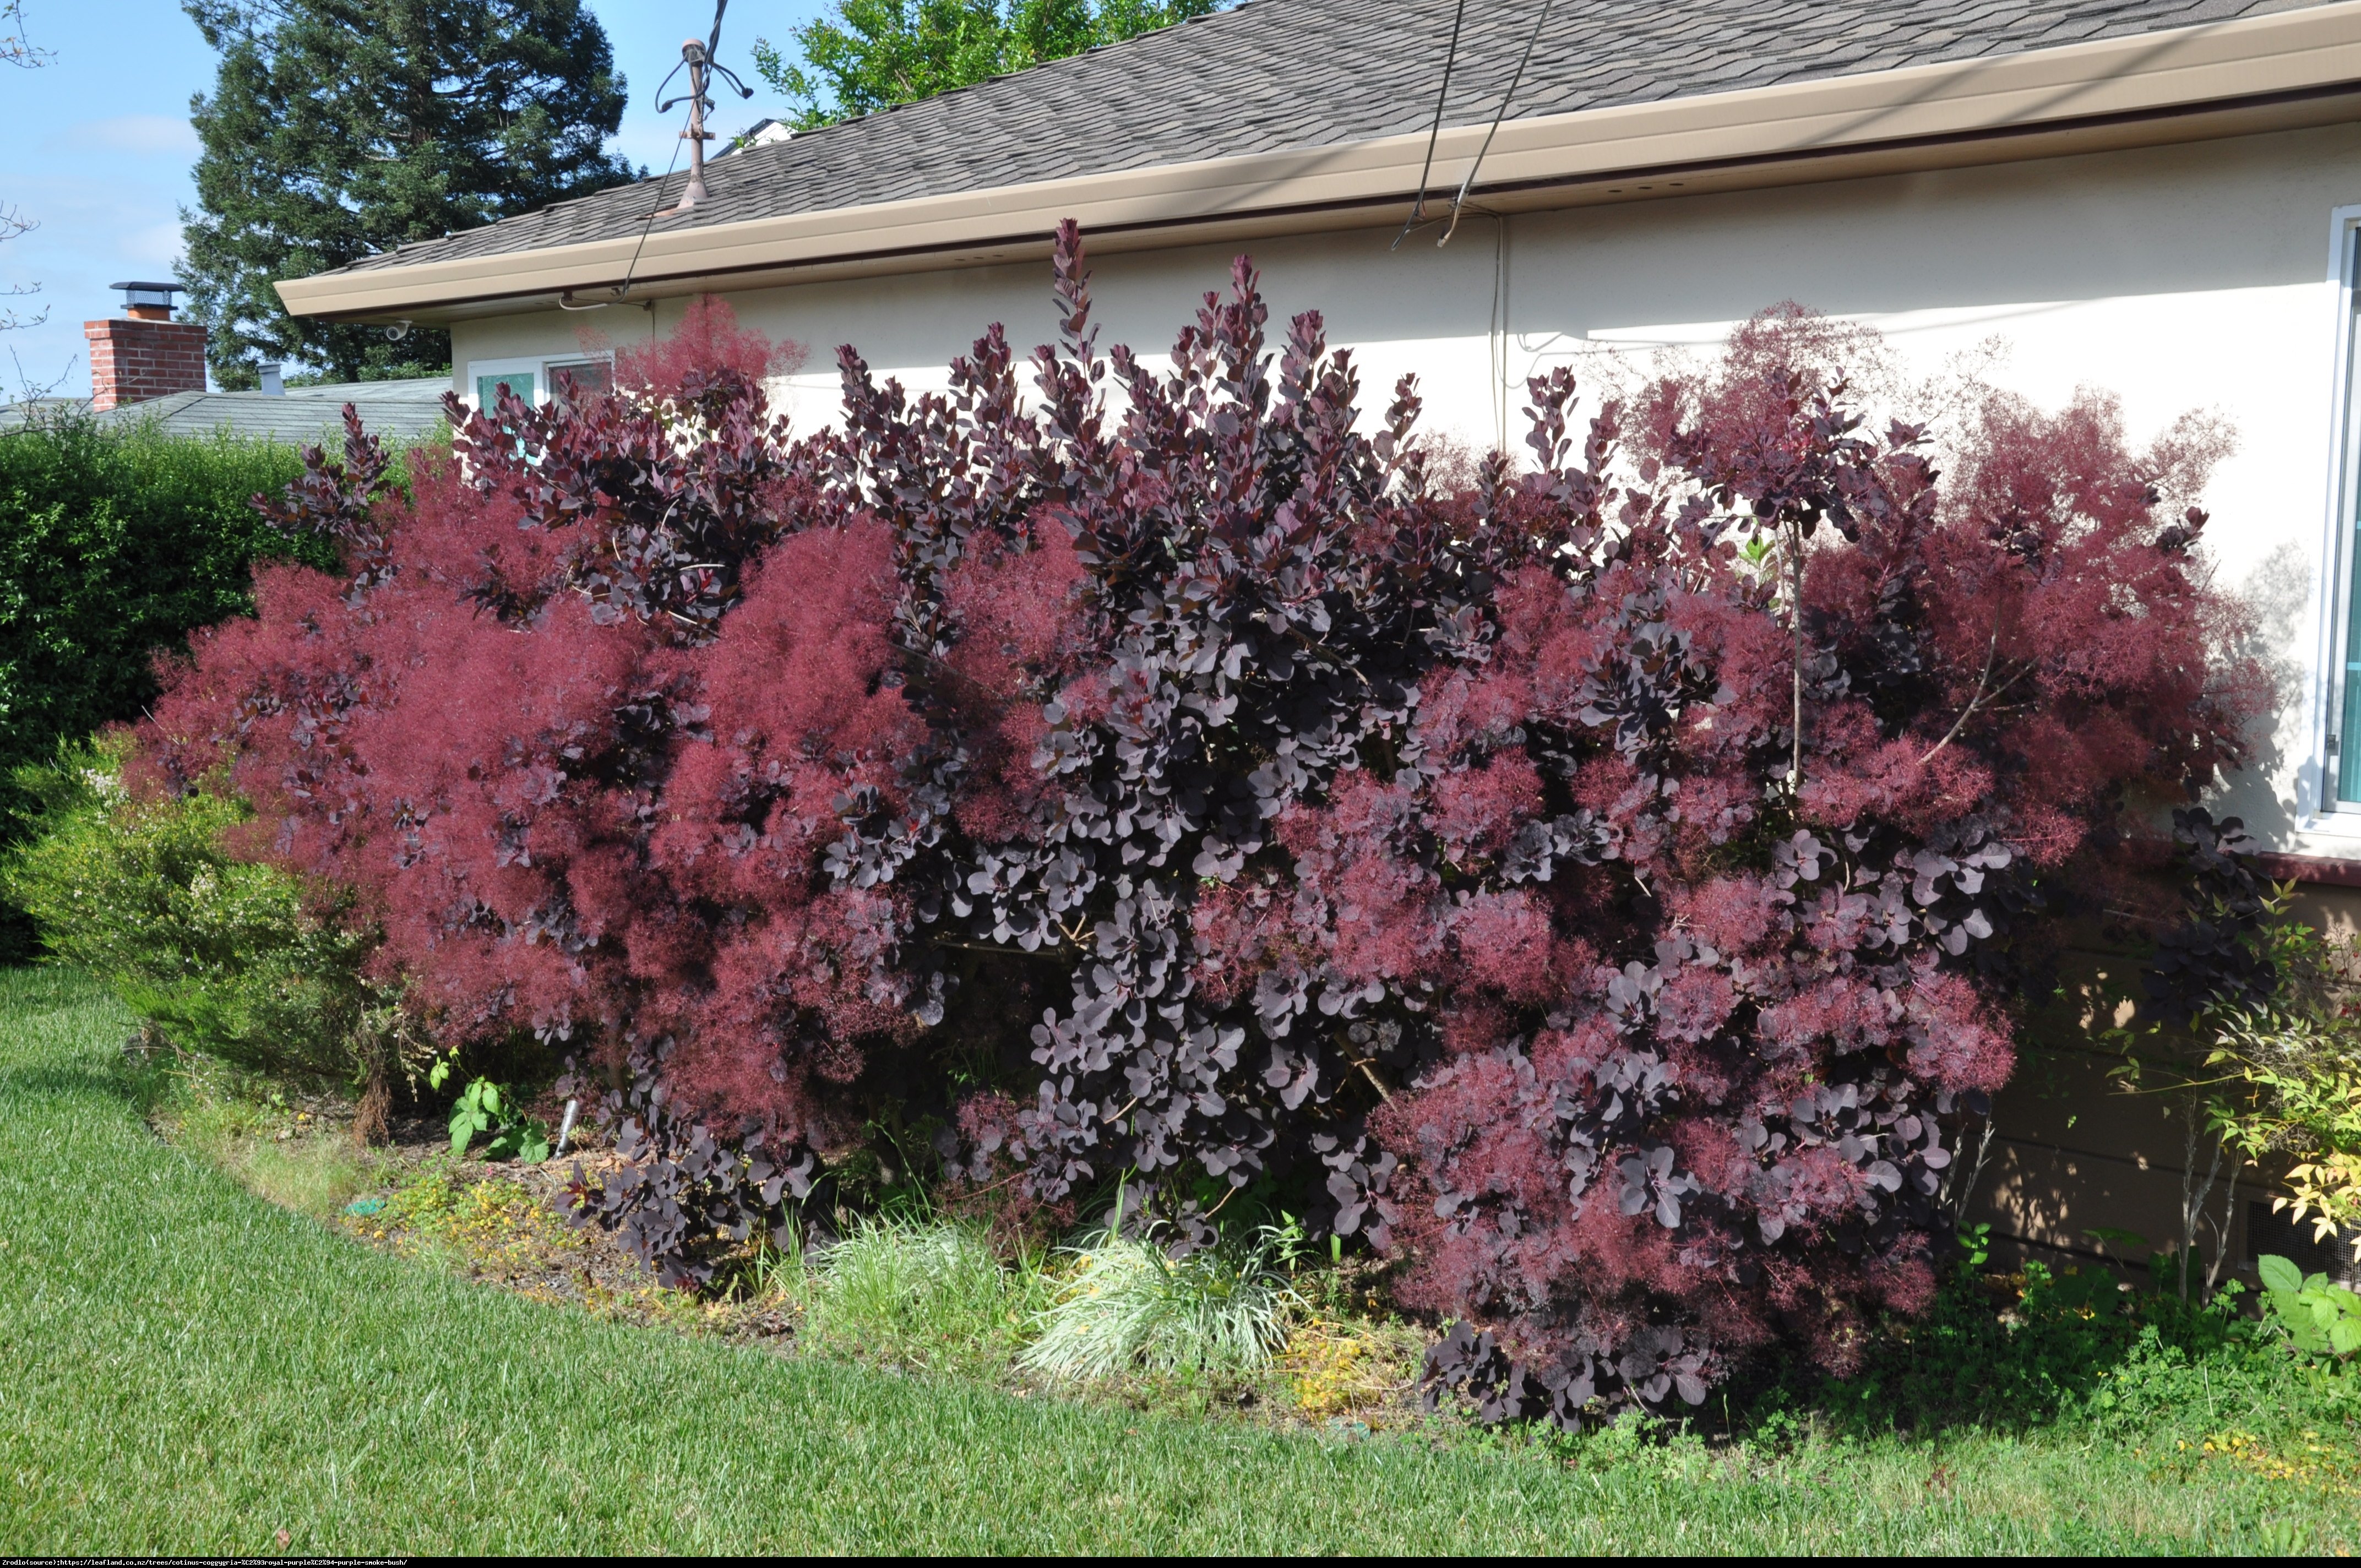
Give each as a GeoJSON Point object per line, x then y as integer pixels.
{"type": "Point", "coordinates": [235, 961]}
{"type": "Point", "coordinates": [922, 1293]}
{"type": "Point", "coordinates": [1128, 1306]}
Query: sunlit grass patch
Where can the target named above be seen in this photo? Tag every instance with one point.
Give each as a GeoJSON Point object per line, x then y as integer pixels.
{"type": "Point", "coordinates": [929, 1294]}
{"type": "Point", "coordinates": [284, 1153]}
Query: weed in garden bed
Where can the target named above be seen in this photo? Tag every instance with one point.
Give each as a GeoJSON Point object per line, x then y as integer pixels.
{"type": "Point", "coordinates": [1344, 1366]}
{"type": "Point", "coordinates": [489, 1225]}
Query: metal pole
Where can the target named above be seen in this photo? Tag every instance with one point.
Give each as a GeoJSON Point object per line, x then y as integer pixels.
{"type": "Point", "coordinates": [693, 52]}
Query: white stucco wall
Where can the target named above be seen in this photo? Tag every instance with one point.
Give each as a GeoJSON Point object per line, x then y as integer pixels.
{"type": "Point", "coordinates": [2178, 278]}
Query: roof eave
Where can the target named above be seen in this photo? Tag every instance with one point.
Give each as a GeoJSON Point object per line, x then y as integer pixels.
{"type": "Point", "coordinates": [2231, 78]}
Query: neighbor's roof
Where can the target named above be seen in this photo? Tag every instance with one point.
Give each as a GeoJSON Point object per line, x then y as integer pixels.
{"type": "Point", "coordinates": [400, 410]}
{"type": "Point", "coordinates": [1295, 76]}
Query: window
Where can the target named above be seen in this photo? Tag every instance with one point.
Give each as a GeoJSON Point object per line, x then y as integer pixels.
{"type": "Point", "coordinates": [537, 379]}
{"type": "Point", "coordinates": [591, 377]}
{"type": "Point", "coordinates": [489, 387]}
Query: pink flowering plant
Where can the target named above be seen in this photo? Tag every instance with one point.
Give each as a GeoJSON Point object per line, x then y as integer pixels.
{"type": "Point", "coordinates": [1606, 886]}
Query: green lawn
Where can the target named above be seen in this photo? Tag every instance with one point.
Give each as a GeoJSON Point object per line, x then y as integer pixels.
{"type": "Point", "coordinates": [186, 1369]}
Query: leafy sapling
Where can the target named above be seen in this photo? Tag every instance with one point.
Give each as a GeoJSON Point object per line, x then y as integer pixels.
{"type": "Point", "coordinates": [2319, 1318]}
{"type": "Point", "coordinates": [486, 1108]}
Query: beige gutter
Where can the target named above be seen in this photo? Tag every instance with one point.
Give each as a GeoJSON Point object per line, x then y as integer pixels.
{"type": "Point", "coordinates": [2221, 79]}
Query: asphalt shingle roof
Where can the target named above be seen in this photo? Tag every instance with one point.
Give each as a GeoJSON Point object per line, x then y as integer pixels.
{"type": "Point", "coordinates": [400, 410]}
{"type": "Point", "coordinates": [1278, 74]}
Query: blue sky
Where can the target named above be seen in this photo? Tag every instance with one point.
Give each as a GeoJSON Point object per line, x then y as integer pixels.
{"type": "Point", "coordinates": [96, 146]}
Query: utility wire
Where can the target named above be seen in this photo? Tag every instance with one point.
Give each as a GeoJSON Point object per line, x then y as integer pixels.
{"type": "Point", "coordinates": [623, 292]}
{"type": "Point", "coordinates": [1418, 208]}
{"type": "Point", "coordinates": [1514, 82]}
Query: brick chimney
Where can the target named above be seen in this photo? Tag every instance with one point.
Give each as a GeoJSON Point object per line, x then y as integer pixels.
{"type": "Point", "coordinates": [147, 356]}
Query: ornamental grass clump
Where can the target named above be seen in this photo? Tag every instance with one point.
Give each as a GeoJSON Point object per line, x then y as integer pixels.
{"type": "Point", "coordinates": [920, 1293]}
{"type": "Point", "coordinates": [1610, 888]}
{"type": "Point", "coordinates": [1125, 1305]}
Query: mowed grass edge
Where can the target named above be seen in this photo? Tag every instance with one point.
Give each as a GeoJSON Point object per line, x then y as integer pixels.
{"type": "Point", "coordinates": [187, 1369]}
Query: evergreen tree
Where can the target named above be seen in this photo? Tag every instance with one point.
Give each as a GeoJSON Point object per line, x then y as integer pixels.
{"type": "Point", "coordinates": [875, 53]}
{"type": "Point", "coordinates": [337, 129]}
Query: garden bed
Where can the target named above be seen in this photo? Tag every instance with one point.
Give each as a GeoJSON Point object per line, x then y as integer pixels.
{"type": "Point", "coordinates": [1345, 1366]}
{"type": "Point", "coordinates": [2019, 1346]}
{"type": "Point", "coordinates": [194, 1371]}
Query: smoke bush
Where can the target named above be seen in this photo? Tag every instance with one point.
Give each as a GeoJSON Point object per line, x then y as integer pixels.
{"type": "Point", "coordinates": [1605, 885]}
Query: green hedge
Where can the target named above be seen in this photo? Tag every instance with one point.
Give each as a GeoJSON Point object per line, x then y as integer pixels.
{"type": "Point", "coordinates": [115, 543]}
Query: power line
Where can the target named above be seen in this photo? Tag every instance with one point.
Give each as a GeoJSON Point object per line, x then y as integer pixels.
{"type": "Point", "coordinates": [1418, 208]}
{"type": "Point", "coordinates": [1514, 82]}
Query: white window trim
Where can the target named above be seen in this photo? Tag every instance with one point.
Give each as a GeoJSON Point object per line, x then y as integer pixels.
{"type": "Point", "coordinates": [2318, 810]}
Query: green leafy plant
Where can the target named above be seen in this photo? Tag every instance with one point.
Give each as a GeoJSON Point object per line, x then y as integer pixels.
{"type": "Point", "coordinates": [485, 1108]}
{"type": "Point", "coordinates": [1126, 1305]}
{"type": "Point", "coordinates": [2270, 1070]}
{"type": "Point", "coordinates": [2296, 1091]}
{"type": "Point", "coordinates": [232, 958]}
{"type": "Point", "coordinates": [2318, 1317]}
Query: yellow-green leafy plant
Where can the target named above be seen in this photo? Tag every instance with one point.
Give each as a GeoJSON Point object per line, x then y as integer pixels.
{"type": "Point", "coordinates": [2295, 1090]}
{"type": "Point", "coordinates": [2287, 1072]}
{"type": "Point", "coordinates": [231, 958]}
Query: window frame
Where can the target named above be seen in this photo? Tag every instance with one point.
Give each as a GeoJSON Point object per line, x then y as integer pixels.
{"type": "Point", "coordinates": [547, 380]}
{"type": "Point", "coordinates": [480, 368]}
{"type": "Point", "coordinates": [2318, 785]}
{"type": "Point", "coordinates": [537, 364]}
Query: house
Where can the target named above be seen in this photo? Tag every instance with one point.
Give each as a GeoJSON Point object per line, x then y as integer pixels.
{"type": "Point", "coordinates": [2162, 197]}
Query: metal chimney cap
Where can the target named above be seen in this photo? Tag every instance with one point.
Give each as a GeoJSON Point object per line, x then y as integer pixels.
{"type": "Point", "coordinates": [163, 292]}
